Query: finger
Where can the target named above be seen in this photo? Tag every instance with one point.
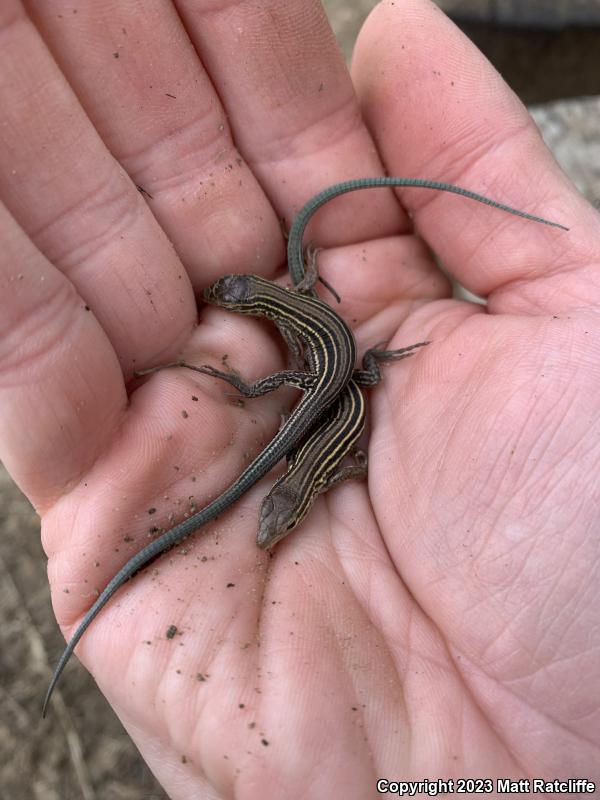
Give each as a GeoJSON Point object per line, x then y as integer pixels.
{"type": "Point", "coordinates": [292, 109]}
{"type": "Point", "coordinates": [441, 111]}
{"type": "Point", "coordinates": [68, 193]}
{"type": "Point", "coordinates": [148, 94]}
{"type": "Point", "coordinates": [61, 387]}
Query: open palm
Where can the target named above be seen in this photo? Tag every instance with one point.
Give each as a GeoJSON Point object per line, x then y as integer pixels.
{"type": "Point", "coordinates": [437, 622]}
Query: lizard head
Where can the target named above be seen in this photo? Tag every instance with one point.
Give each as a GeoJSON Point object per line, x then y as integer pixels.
{"type": "Point", "coordinates": [230, 291]}
{"type": "Point", "coordinates": [278, 515]}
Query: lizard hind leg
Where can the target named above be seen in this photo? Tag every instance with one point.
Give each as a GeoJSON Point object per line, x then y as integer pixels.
{"type": "Point", "coordinates": [311, 275]}
{"type": "Point", "coordinates": [350, 472]}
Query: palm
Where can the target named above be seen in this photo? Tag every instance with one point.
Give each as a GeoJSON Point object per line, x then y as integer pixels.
{"type": "Point", "coordinates": [417, 628]}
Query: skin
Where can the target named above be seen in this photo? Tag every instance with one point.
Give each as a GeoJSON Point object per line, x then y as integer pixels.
{"type": "Point", "coordinates": [438, 621]}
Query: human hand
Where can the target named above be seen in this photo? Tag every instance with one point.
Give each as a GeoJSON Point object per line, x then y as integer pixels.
{"type": "Point", "coordinates": [408, 630]}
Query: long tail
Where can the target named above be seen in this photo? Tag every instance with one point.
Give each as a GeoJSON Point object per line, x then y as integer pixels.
{"type": "Point", "coordinates": [294, 248]}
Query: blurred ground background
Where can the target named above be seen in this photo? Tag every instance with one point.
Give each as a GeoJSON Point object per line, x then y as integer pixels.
{"type": "Point", "coordinates": [82, 751]}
